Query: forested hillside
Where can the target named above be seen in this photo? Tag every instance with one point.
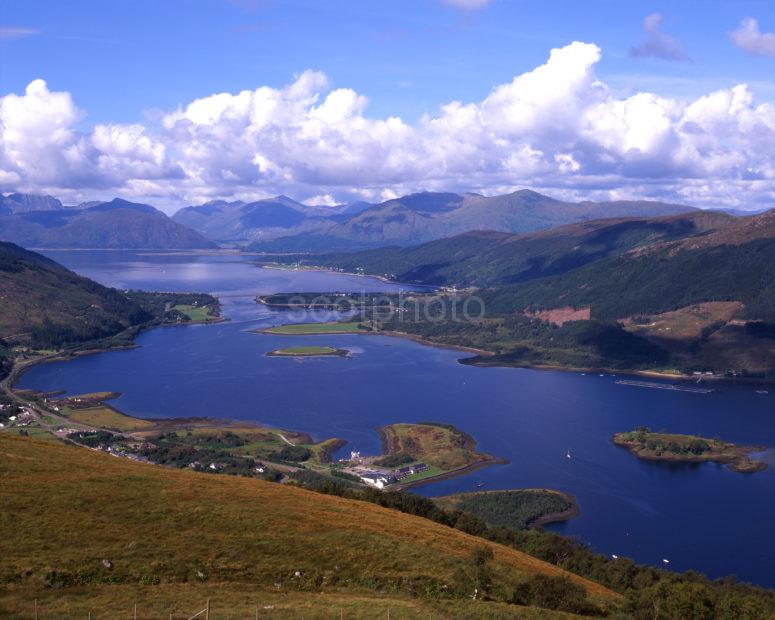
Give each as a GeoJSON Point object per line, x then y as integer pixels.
{"type": "Point", "coordinates": [46, 306]}
{"type": "Point", "coordinates": [488, 258]}
{"type": "Point", "coordinates": [688, 293]}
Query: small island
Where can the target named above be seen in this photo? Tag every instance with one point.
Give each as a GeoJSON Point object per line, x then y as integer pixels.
{"type": "Point", "coordinates": [314, 329]}
{"type": "Point", "coordinates": [514, 508]}
{"type": "Point", "coordinates": [645, 444]}
{"type": "Point", "coordinates": [311, 351]}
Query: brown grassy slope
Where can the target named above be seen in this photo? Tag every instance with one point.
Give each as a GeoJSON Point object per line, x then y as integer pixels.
{"type": "Point", "coordinates": [69, 508]}
{"type": "Point", "coordinates": [236, 601]}
{"type": "Point", "coordinates": [438, 445]}
{"type": "Point", "coordinates": [737, 231]}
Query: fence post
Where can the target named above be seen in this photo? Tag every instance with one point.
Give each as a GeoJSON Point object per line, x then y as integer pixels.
{"type": "Point", "coordinates": [36, 609]}
{"type": "Point", "coordinates": [207, 613]}
{"type": "Point", "coordinates": [134, 616]}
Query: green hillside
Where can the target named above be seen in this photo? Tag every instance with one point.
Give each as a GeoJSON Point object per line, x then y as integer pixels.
{"type": "Point", "coordinates": [487, 258]}
{"type": "Point", "coordinates": [688, 293]}
{"type": "Point", "coordinates": [45, 306]}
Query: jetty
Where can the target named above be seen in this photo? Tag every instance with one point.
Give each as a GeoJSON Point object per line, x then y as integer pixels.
{"type": "Point", "coordinates": [664, 386]}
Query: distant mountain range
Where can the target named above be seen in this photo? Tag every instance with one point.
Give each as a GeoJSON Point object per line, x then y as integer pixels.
{"type": "Point", "coordinates": [281, 224]}
{"type": "Point", "coordinates": [43, 222]}
{"type": "Point", "coordinates": [241, 222]}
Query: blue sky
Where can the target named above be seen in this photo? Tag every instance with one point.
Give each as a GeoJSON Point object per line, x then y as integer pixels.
{"type": "Point", "coordinates": [133, 62]}
{"type": "Point", "coordinates": [121, 58]}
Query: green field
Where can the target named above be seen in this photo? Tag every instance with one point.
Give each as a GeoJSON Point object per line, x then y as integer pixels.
{"type": "Point", "coordinates": [106, 417]}
{"type": "Point", "coordinates": [311, 351]}
{"type": "Point", "coordinates": [196, 313]}
{"type": "Point", "coordinates": [303, 329]}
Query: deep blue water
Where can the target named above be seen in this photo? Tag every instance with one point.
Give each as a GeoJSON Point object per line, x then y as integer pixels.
{"type": "Point", "coordinates": [703, 517]}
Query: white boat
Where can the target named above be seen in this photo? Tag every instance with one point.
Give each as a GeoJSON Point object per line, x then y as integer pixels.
{"type": "Point", "coordinates": [762, 391]}
{"type": "Point", "coordinates": [665, 561]}
{"type": "Point", "coordinates": [614, 556]}
{"type": "Point", "coordinates": [567, 454]}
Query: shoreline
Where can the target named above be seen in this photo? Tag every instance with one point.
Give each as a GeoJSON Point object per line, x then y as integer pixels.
{"type": "Point", "coordinates": [318, 268]}
{"type": "Point", "coordinates": [62, 356]}
{"type": "Point", "coordinates": [558, 517]}
{"type": "Point", "coordinates": [452, 473]}
{"type": "Point", "coordinates": [653, 374]}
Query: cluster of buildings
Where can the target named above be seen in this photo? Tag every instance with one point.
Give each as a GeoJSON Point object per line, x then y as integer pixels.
{"type": "Point", "coordinates": [380, 478]}
{"type": "Point", "coordinates": [24, 418]}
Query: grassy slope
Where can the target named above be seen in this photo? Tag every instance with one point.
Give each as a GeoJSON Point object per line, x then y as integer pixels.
{"type": "Point", "coordinates": [440, 446]}
{"type": "Point", "coordinates": [71, 507]}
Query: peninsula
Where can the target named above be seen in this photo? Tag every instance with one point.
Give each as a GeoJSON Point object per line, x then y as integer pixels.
{"type": "Point", "coordinates": [416, 454]}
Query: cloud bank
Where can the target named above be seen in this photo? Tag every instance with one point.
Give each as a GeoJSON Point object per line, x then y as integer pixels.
{"type": "Point", "coordinates": [556, 128]}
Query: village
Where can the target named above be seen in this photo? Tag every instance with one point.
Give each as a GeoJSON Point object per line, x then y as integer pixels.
{"type": "Point", "coordinates": [367, 469]}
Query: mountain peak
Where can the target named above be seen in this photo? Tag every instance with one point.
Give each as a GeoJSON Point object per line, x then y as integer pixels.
{"type": "Point", "coordinates": [120, 203]}
{"type": "Point", "coordinates": [24, 203]}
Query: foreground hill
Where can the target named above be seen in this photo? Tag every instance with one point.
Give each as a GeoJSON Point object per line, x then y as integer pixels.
{"type": "Point", "coordinates": [103, 526]}
{"type": "Point", "coordinates": [423, 217]}
{"type": "Point", "coordinates": [117, 224]}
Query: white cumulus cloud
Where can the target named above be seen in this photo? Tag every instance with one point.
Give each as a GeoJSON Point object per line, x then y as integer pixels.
{"type": "Point", "coordinates": [557, 128]}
